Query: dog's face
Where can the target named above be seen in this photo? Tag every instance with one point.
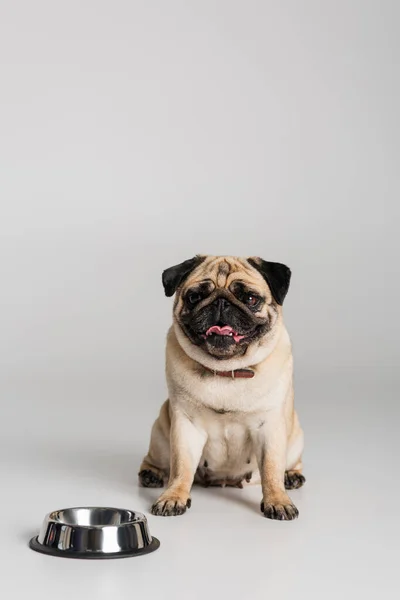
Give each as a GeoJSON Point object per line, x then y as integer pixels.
{"type": "Point", "coordinates": [225, 305]}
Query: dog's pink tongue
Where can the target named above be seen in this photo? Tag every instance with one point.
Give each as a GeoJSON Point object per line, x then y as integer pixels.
{"type": "Point", "coordinates": [225, 330]}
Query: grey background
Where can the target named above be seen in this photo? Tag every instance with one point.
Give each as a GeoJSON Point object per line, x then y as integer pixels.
{"type": "Point", "coordinates": [134, 135]}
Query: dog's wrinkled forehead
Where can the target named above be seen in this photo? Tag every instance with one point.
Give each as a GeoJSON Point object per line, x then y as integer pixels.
{"type": "Point", "coordinates": [221, 272]}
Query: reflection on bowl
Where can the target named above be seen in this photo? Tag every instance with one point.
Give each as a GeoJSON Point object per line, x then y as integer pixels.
{"type": "Point", "coordinates": [94, 532]}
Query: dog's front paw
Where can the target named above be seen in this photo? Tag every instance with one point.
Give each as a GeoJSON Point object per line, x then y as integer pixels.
{"type": "Point", "coordinates": [170, 505]}
{"type": "Point", "coordinates": [285, 511]}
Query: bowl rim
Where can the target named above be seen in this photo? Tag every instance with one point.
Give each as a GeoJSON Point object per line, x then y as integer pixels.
{"type": "Point", "coordinates": [48, 518]}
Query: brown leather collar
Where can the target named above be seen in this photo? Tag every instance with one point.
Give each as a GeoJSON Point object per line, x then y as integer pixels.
{"type": "Point", "coordinates": [240, 373]}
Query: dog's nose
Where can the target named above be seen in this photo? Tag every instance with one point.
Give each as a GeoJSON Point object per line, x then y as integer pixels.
{"type": "Point", "coordinates": [221, 303]}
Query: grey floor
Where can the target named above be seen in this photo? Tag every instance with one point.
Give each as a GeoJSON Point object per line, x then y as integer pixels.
{"type": "Point", "coordinates": [66, 445]}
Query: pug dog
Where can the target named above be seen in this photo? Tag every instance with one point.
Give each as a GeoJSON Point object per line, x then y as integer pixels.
{"type": "Point", "coordinates": [230, 417]}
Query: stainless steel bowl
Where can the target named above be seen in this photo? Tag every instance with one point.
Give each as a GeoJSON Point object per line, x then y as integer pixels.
{"type": "Point", "coordinates": [94, 532]}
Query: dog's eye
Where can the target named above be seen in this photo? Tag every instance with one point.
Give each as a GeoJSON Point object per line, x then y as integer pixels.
{"type": "Point", "coordinates": [193, 298]}
{"type": "Point", "coordinates": [252, 301]}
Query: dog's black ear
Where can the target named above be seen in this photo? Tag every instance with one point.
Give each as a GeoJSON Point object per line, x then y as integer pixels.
{"type": "Point", "coordinates": [173, 277]}
{"type": "Point", "coordinates": [276, 275]}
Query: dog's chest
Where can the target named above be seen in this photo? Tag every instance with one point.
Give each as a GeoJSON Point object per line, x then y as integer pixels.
{"type": "Point", "coordinates": [226, 396]}
{"type": "Point", "coordinates": [227, 411]}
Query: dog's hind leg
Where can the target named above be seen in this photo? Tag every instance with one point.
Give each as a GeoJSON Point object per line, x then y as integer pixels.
{"type": "Point", "coordinates": [294, 477]}
{"type": "Point", "coordinates": [154, 470]}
